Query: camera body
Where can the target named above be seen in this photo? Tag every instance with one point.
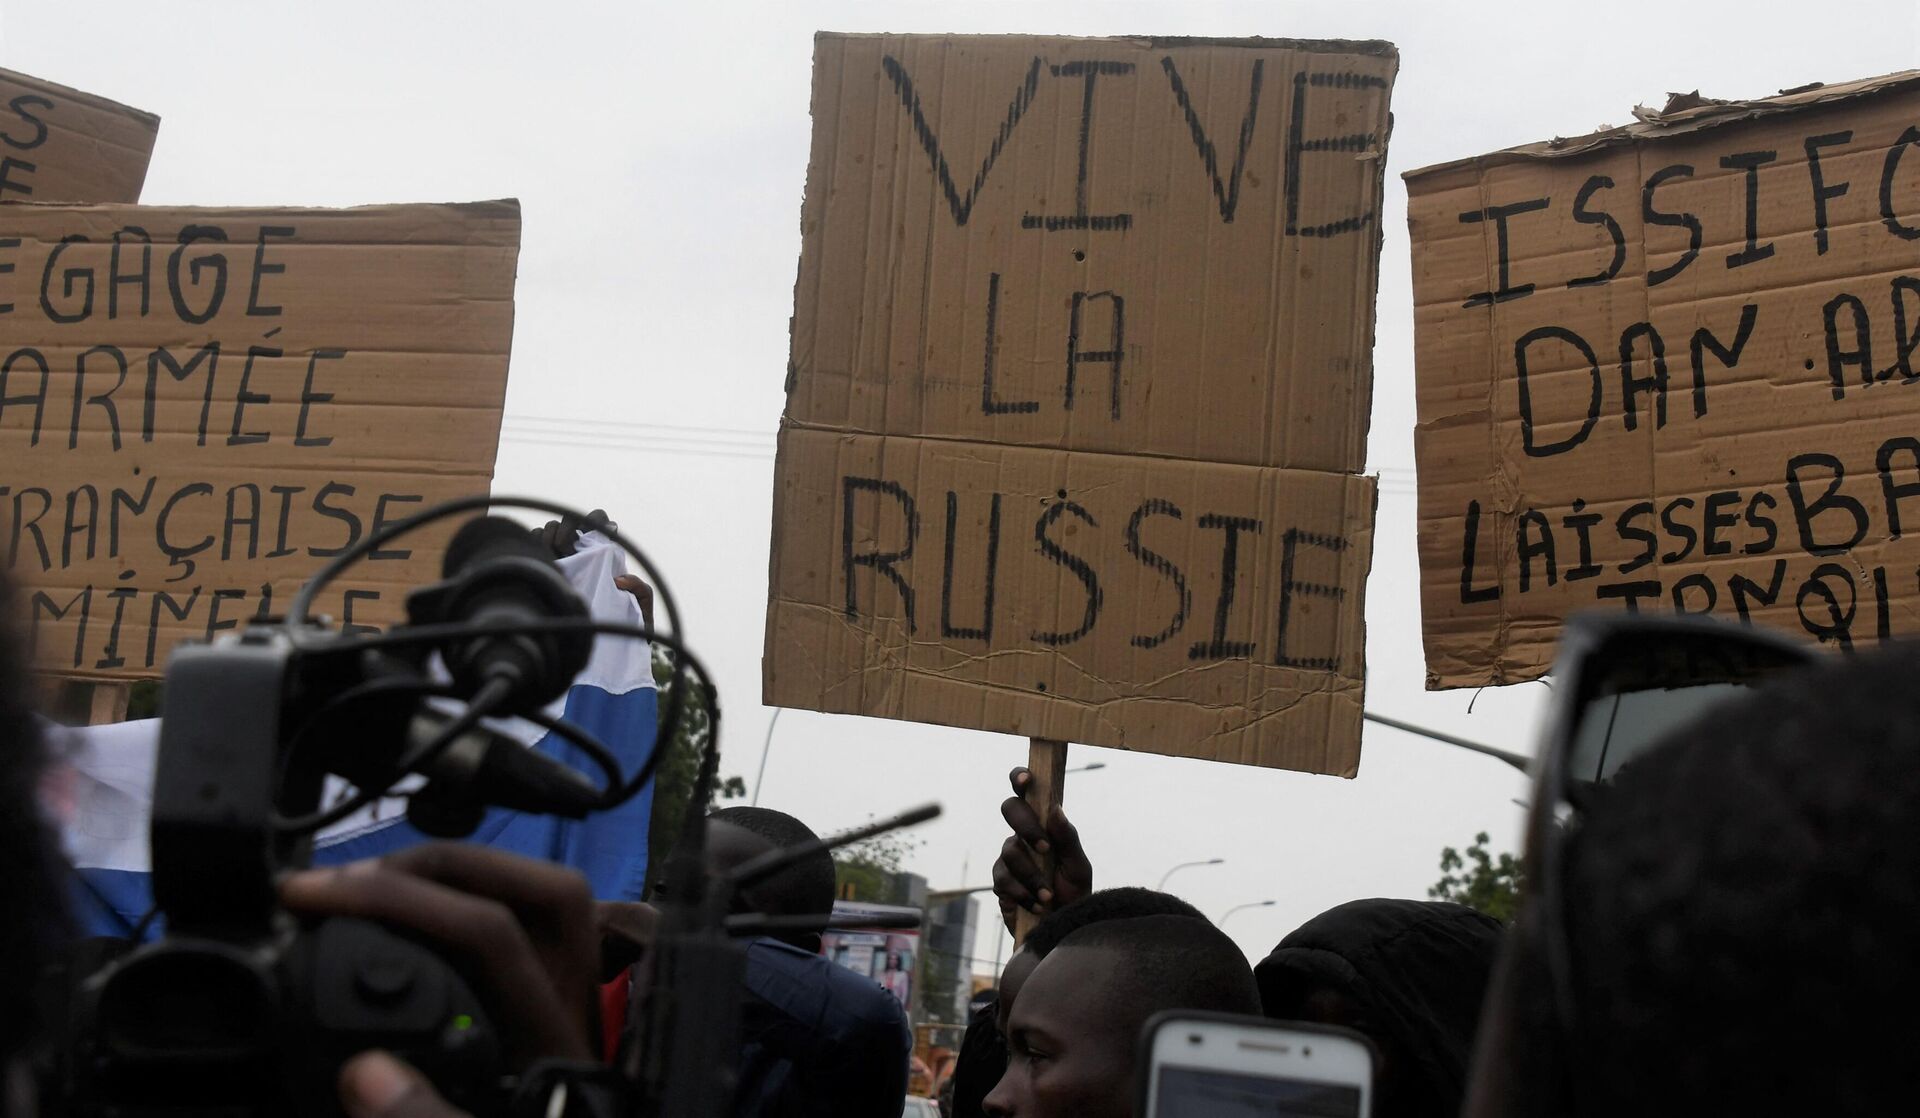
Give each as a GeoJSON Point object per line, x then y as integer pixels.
{"type": "Point", "coordinates": [242, 1009]}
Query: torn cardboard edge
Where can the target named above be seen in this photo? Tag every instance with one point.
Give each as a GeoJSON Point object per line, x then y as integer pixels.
{"type": "Point", "coordinates": [1684, 114]}
{"type": "Point", "coordinates": [145, 118]}
{"type": "Point", "coordinates": [1378, 48]}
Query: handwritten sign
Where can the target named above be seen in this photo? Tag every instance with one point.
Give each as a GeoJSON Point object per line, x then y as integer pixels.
{"type": "Point", "coordinates": [62, 145]}
{"type": "Point", "coordinates": [1673, 367]}
{"type": "Point", "coordinates": [1079, 390]}
{"type": "Point", "coordinates": [198, 407]}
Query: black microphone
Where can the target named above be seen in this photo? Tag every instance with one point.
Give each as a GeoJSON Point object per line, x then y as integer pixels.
{"type": "Point", "coordinates": [499, 770]}
{"type": "Point", "coordinates": [495, 573]}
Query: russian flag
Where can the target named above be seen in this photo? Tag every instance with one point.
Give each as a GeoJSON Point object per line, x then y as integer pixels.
{"type": "Point", "coordinates": [104, 787]}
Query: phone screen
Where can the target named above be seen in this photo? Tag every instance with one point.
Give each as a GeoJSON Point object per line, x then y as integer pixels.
{"type": "Point", "coordinates": [1211, 1093]}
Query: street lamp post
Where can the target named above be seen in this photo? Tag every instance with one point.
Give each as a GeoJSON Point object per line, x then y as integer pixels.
{"type": "Point", "coordinates": [1095, 766]}
{"type": "Point", "coordinates": [1162, 887]}
{"type": "Point", "coordinates": [761, 776]}
{"type": "Point", "coordinates": [1238, 907]}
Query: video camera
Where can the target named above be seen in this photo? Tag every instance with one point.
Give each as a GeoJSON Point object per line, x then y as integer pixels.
{"type": "Point", "coordinates": [242, 1009]}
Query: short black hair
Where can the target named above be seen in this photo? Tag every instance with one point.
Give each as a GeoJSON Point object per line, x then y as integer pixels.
{"type": "Point", "coordinates": [1169, 962]}
{"type": "Point", "coordinates": [1122, 903]}
{"type": "Point", "coordinates": [804, 889]}
{"type": "Point", "coordinates": [1742, 906]}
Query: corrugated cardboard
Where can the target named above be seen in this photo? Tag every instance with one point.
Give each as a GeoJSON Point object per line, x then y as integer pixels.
{"type": "Point", "coordinates": [1104, 279]}
{"type": "Point", "coordinates": [1764, 254]}
{"type": "Point", "coordinates": [292, 378]}
{"type": "Point", "coordinates": [1194, 608]}
{"type": "Point", "coordinates": [62, 145]}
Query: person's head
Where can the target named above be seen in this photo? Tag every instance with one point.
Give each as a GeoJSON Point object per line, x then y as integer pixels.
{"type": "Point", "coordinates": [1123, 903]}
{"type": "Point", "coordinates": [1410, 975]}
{"type": "Point", "coordinates": [1740, 918]}
{"type": "Point", "coordinates": [1075, 1031]}
{"type": "Point", "coordinates": [737, 835]}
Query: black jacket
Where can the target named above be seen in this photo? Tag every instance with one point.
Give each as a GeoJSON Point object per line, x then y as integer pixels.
{"type": "Point", "coordinates": [1419, 971]}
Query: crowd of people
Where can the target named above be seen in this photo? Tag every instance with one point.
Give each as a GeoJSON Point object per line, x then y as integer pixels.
{"type": "Point", "coordinates": [1733, 930]}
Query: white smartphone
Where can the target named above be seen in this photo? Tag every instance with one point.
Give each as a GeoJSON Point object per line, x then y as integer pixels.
{"type": "Point", "coordinates": [1214, 1066]}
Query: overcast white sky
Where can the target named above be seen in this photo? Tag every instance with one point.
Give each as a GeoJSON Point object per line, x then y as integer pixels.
{"type": "Point", "coordinates": [659, 151]}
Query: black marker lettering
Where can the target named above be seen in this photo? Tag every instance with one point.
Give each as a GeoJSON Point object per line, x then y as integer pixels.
{"type": "Point", "coordinates": [1499, 216]}
{"type": "Point", "coordinates": [76, 526]}
{"type": "Point", "coordinates": [881, 561]}
{"type": "Point", "coordinates": [1111, 355]}
{"type": "Point", "coordinates": [181, 555]}
{"type": "Point", "coordinates": [1071, 562]}
{"type": "Point", "coordinates": [1656, 381]}
{"type": "Point", "coordinates": [1747, 592]}
{"type": "Point", "coordinates": [1754, 252]}
{"type": "Point", "coordinates": [138, 278]}
{"type": "Point", "coordinates": [261, 268]}
{"type": "Point", "coordinates": [1695, 581]}
{"type": "Point", "coordinates": [308, 398]}
{"type": "Point", "coordinates": [332, 512]}
{"type": "Point", "coordinates": [1526, 550]}
{"type": "Point", "coordinates": [1821, 191]}
{"type": "Point", "coordinates": [245, 397]}
{"type": "Point", "coordinates": [1582, 524]}
{"type": "Point", "coordinates": [380, 523]}
{"type": "Point", "coordinates": [1649, 543]}
{"type": "Point", "coordinates": [214, 262]}
{"type": "Point", "coordinates": [1836, 627]}
{"type": "Point", "coordinates": [1292, 588]}
{"type": "Point", "coordinates": [960, 206]}
{"type": "Point", "coordinates": [1831, 499]}
{"type": "Point", "coordinates": [1687, 221]}
{"type": "Point", "coordinates": [234, 520]}
{"type": "Point", "coordinates": [101, 400]}
{"type": "Point", "coordinates": [20, 106]}
{"type": "Point", "coordinates": [1227, 193]}
{"type": "Point", "coordinates": [1520, 347]}
{"type": "Point", "coordinates": [38, 397]}
{"type": "Point", "coordinates": [1605, 220]}
{"type": "Point", "coordinates": [1080, 218]}
{"type": "Point", "coordinates": [984, 632]}
{"type": "Point", "coordinates": [81, 601]}
{"type": "Point", "coordinates": [1861, 355]}
{"type": "Point", "coordinates": [74, 278]}
{"type": "Point", "coordinates": [1297, 144]}
{"type": "Point", "coordinates": [1909, 138]}
{"type": "Point", "coordinates": [1220, 648]}
{"type": "Point", "coordinates": [209, 353]}
{"type": "Point", "coordinates": [1156, 562]}
{"type": "Point", "coordinates": [110, 655]}
{"type": "Point", "coordinates": [1704, 342]}
{"type": "Point", "coordinates": [1468, 592]}
{"type": "Point", "coordinates": [180, 612]}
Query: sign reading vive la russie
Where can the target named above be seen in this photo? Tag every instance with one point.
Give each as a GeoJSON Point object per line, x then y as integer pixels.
{"type": "Point", "coordinates": [1079, 391]}
{"type": "Point", "coordinates": [1672, 367]}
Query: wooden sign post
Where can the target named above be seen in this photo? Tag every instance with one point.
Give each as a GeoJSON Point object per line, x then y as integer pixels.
{"type": "Point", "coordinates": [1047, 761]}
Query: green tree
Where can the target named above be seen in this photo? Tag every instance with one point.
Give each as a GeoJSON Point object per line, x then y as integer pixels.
{"type": "Point", "coordinates": [1480, 880]}
{"type": "Point", "coordinates": [673, 779]}
{"type": "Point", "coordinates": [870, 870]}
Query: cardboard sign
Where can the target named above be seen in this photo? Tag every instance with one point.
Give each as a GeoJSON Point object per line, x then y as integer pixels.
{"type": "Point", "coordinates": [62, 145]}
{"type": "Point", "coordinates": [198, 407]}
{"type": "Point", "coordinates": [1079, 392]}
{"type": "Point", "coordinates": [1673, 366]}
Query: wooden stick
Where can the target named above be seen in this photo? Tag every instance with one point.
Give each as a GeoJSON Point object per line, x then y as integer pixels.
{"type": "Point", "coordinates": [1047, 760]}
{"type": "Point", "coordinates": [109, 702]}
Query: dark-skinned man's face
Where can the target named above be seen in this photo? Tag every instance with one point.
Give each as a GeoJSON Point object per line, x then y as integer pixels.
{"type": "Point", "coordinates": [1069, 1056]}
